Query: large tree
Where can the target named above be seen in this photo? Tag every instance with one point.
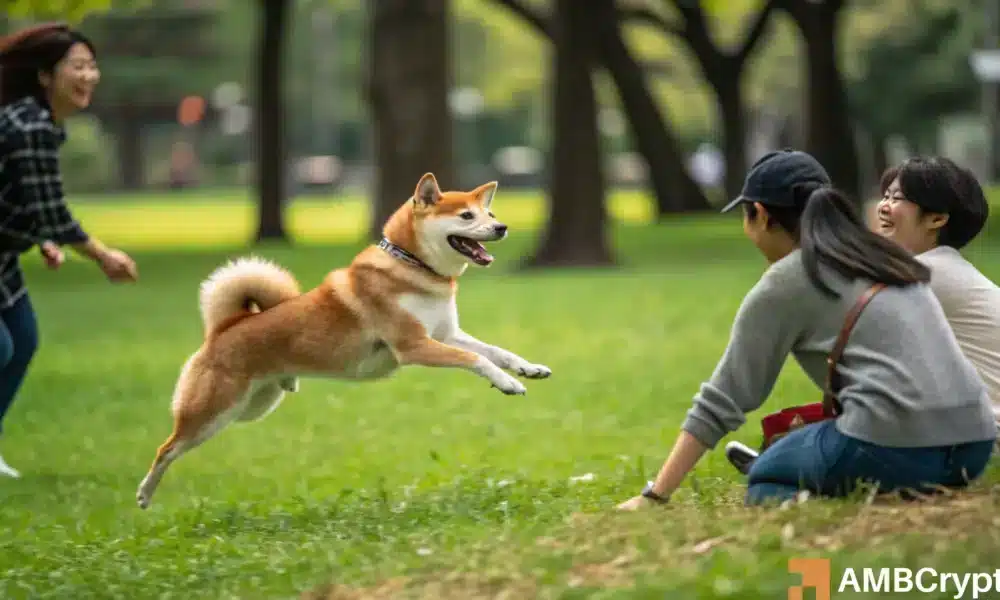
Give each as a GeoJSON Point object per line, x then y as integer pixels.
{"type": "Point", "coordinates": [829, 128]}
{"type": "Point", "coordinates": [408, 77]}
{"type": "Point", "coordinates": [723, 68]}
{"type": "Point", "coordinates": [674, 189]}
{"type": "Point", "coordinates": [269, 118]}
{"type": "Point", "coordinates": [575, 232]}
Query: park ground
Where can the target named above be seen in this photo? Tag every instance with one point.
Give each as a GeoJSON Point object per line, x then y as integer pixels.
{"type": "Point", "coordinates": [430, 484]}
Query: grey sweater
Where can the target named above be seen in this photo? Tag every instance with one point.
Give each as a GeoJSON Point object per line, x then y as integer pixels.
{"type": "Point", "coordinates": [905, 380]}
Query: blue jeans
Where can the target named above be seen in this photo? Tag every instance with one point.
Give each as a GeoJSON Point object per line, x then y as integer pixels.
{"type": "Point", "coordinates": [824, 461]}
{"type": "Point", "coordinates": [18, 343]}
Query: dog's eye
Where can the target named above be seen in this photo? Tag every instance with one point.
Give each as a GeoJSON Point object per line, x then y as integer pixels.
{"type": "Point", "coordinates": [467, 215]}
{"type": "Point", "coordinates": [492, 216]}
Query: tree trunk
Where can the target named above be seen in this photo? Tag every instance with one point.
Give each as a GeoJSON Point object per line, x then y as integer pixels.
{"type": "Point", "coordinates": [673, 187]}
{"type": "Point", "coordinates": [576, 228]}
{"type": "Point", "coordinates": [130, 149]}
{"type": "Point", "coordinates": [880, 155]}
{"type": "Point", "coordinates": [408, 80]}
{"type": "Point", "coordinates": [829, 133]}
{"type": "Point", "coordinates": [732, 112]}
{"type": "Point", "coordinates": [269, 120]}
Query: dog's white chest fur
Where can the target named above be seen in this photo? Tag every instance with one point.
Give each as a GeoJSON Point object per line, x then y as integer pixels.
{"type": "Point", "coordinates": [439, 316]}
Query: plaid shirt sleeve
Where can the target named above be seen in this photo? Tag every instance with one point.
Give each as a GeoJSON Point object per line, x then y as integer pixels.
{"type": "Point", "coordinates": [34, 160]}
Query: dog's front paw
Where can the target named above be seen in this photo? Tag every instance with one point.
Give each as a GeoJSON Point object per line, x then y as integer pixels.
{"type": "Point", "coordinates": [289, 384]}
{"type": "Point", "coordinates": [531, 371]}
{"type": "Point", "coordinates": [510, 386]}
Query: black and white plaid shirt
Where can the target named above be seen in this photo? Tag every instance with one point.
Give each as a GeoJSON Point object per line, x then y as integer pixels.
{"type": "Point", "coordinates": [32, 207]}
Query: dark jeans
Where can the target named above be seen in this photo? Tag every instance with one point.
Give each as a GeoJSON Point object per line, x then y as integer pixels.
{"type": "Point", "coordinates": [820, 459]}
{"type": "Point", "coordinates": [18, 343]}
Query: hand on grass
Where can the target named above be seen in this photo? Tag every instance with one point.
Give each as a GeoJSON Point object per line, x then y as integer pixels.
{"type": "Point", "coordinates": [636, 503]}
{"type": "Point", "coordinates": [52, 254]}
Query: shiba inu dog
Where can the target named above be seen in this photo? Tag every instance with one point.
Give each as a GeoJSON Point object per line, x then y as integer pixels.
{"type": "Point", "coordinates": [394, 305]}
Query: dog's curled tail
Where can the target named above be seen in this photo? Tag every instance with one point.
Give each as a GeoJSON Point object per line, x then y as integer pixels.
{"type": "Point", "coordinates": [234, 288]}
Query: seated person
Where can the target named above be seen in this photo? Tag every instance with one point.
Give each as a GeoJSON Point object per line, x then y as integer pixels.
{"type": "Point", "coordinates": [934, 208]}
{"type": "Point", "coordinates": [915, 414]}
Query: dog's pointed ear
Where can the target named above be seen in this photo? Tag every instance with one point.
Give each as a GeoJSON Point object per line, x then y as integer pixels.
{"type": "Point", "coordinates": [485, 194]}
{"type": "Point", "coordinates": [427, 193]}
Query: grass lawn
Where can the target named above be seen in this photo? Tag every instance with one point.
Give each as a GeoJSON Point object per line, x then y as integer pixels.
{"type": "Point", "coordinates": [429, 484]}
{"type": "Point", "coordinates": [224, 217]}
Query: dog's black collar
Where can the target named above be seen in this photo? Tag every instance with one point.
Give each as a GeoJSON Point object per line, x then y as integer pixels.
{"type": "Point", "coordinates": [405, 256]}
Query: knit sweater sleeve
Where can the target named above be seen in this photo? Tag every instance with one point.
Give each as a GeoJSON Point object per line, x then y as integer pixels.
{"type": "Point", "coordinates": [767, 325]}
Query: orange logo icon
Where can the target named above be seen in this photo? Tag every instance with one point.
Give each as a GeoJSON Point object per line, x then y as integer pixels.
{"type": "Point", "coordinates": [815, 574]}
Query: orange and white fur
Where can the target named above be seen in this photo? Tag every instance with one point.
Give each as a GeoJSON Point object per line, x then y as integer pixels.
{"type": "Point", "coordinates": [362, 322]}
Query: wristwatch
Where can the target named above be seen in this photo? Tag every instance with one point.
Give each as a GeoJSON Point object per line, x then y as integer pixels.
{"type": "Point", "coordinates": [647, 492]}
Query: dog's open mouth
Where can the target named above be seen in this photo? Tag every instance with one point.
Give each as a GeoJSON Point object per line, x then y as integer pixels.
{"type": "Point", "coordinates": [470, 248]}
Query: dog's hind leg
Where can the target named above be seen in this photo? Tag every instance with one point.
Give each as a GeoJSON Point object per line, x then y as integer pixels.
{"type": "Point", "coordinates": [202, 408]}
{"type": "Point", "coordinates": [263, 400]}
{"type": "Point", "coordinates": [166, 454]}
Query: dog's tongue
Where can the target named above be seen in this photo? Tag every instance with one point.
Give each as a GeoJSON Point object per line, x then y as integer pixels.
{"type": "Point", "coordinates": [480, 252]}
{"type": "Point", "coordinates": [483, 255]}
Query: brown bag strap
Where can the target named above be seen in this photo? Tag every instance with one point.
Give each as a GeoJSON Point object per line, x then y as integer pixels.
{"type": "Point", "coordinates": [831, 406]}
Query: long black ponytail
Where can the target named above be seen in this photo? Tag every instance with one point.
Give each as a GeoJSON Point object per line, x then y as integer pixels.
{"type": "Point", "coordinates": [831, 231]}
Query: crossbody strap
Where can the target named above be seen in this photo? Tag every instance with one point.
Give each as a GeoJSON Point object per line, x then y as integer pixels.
{"type": "Point", "coordinates": [831, 406]}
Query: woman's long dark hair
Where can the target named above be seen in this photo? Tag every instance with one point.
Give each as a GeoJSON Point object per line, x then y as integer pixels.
{"type": "Point", "coordinates": [26, 53]}
{"type": "Point", "coordinates": [830, 231]}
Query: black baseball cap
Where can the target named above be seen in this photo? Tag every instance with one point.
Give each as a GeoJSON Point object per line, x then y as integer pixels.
{"type": "Point", "coordinates": [772, 179]}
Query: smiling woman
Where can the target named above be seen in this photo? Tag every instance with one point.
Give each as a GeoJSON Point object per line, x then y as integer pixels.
{"type": "Point", "coordinates": [935, 208]}
{"type": "Point", "coordinates": [47, 73]}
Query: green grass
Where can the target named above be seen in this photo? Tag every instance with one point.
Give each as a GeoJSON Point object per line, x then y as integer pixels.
{"type": "Point", "coordinates": [213, 219]}
{"type": "Point", "coordinates": [429, 484]}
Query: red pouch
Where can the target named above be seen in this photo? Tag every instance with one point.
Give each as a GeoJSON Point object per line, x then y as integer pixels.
{"type": "Point", "coordinates": [777, 425]}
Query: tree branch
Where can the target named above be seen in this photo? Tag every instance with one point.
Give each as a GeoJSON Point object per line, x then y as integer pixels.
{"type": "Point", "coordinates": [691, 9]}
{"type": "Point", "coordinates": [784, 5]}
{"type": "Point", "coordinates": [646, 16]}
{"type": "Point", "coordinates": [537, 21]}
{"type": "Point", "coordinates": [756, 31]}
{"type": "Point", "coordinates": [796, 9]}
{"type": "Point", "coordinates": [697, 35]}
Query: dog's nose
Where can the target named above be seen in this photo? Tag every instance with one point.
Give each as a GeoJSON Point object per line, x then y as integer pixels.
{"type": "Point", "coordinates": [500, 228]}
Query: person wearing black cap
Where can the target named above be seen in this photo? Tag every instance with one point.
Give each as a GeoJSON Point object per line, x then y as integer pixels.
{"type": "Point", "coordinates": [47, 73]}
{"type": "Point", "coordinates": [934, 208]}
{"type": "Point", "coordinates": [913, 412]}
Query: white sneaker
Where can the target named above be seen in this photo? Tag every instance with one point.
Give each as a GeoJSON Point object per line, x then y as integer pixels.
{"type": "Point", "coordinates": [7, 470]}
{"type": "Point", "coordinates": [741, 456]}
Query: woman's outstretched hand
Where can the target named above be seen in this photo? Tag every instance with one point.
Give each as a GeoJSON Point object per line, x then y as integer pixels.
{"type": "Point", "coordinates": [118, 266]}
